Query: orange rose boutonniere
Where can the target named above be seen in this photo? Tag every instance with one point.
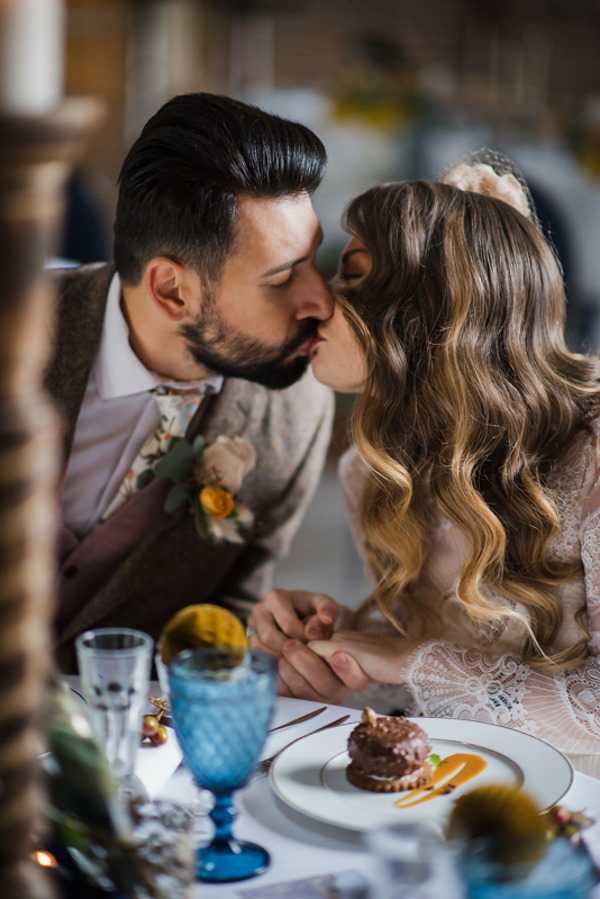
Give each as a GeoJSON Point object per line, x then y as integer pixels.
{"type": "Point", "coordinates": [207, 480]}
{"type": "Point", "coordinates": [216, 501]}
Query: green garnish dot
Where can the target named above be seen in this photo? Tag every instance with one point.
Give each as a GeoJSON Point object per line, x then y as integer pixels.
{"type": "Point", "coordinates": [434, 759]}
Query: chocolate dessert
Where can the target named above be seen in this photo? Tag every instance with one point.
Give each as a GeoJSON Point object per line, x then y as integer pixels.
{"type": "Point", "coordinates": [388, 754]}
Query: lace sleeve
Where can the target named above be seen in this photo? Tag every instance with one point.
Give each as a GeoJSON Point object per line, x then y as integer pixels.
{"type": "Point", "coordinates": [562, 708]}
{"type": "Point", "coordinates": [441, 680]}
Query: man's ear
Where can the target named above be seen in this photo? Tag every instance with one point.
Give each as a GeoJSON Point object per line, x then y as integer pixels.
{"type": "Point", "coordinates": [172, 289]}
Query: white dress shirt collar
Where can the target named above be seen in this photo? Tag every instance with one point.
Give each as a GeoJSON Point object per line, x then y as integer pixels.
{"type": "Point", "coordinates": [119, 372]}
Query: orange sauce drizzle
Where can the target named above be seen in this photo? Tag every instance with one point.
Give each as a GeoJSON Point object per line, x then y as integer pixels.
{"type": "Point", "coordinates": [451, 773]}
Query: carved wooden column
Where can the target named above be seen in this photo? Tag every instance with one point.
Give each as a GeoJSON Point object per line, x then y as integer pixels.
{"type": "Point", "coordinates": [35, 156]}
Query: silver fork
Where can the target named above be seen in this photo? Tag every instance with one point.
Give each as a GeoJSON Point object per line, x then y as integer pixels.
{"type": "Point", "coordinates": [265, 765]}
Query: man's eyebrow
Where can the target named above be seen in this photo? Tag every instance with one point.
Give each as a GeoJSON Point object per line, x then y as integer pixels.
{"type": "Point", "coordinates": [287, 265]}
{"type": "Point", "coordinates": [350, 253]}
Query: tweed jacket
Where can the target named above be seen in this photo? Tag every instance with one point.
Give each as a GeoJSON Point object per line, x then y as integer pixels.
{"type": "Point", "coordinates": [142, 565]}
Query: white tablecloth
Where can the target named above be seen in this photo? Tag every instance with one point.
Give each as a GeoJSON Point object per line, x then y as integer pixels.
{"type": "Point", "coordinates": [301, 847]}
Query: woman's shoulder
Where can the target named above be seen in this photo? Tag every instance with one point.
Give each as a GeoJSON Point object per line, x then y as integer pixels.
{"type": "Point", "coordinates": [589, 461]}
{"type": "Point", "coordinates": [353, 475]}
{"type": "Point", "coordinates": [594, 426]}
{"type": "Point", "coordinates": [583, 455]}
{"type": "Point", "coordinates": [352, 470]}
{"type": "Point", "coordinates": [574, 479]}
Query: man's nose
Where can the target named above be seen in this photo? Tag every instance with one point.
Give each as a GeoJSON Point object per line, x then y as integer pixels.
{"type": "Point", "coordinates": [317, 300]}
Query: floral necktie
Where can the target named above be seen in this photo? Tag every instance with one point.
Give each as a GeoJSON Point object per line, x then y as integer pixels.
{"type": "Point", "coordinates": [176, 411]}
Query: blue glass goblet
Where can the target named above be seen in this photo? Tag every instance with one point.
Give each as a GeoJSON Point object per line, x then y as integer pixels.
{"type": "Point", "coordinates": [221, 710]}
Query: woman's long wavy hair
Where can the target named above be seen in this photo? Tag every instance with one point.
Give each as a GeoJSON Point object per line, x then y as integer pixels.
{"type": "Point", "coordinates": [471, 397]}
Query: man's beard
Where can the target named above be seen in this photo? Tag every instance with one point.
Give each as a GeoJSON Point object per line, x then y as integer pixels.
{"type": "Point", "coordinates": [224, 350]}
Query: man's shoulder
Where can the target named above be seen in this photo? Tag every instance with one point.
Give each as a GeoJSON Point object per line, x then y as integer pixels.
{"type": "Point", "coordinates": [81, 301]}
{"type": "Point", "coordinates": [85, 281]}
{"type": "Point", "coordinates": [299, 408]}
{"type": "Point", "coordinates": [289, 429]}
{"type": "Point", "coordinates": [306, 397]}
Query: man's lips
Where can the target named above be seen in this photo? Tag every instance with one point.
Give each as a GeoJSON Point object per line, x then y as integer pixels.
{"type": "Point", "coordinates": [307, 348]}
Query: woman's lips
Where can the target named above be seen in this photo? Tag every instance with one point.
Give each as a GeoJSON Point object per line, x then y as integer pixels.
{"type": "Point", "coordinates": [309, 346]}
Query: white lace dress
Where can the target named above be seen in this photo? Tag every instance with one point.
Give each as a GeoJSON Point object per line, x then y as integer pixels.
{"type": "Point", "coordinates": [466, 670]}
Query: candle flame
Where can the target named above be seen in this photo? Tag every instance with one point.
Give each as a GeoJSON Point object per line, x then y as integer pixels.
{"type": "Point", "coordinates": [44, 859]}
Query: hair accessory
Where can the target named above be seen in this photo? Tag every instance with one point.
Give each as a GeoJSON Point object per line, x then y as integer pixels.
{"type": "Point", "coordinates": [491, 174]}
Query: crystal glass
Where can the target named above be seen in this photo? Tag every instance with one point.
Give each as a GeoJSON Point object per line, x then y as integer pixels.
{"type": "Point", "coordinates": [564, 872]}
{"type": "Point", "coordinates": [410, 861]}
{"type": "Point", "coordinates": [114, 664]}
{"type": "Point", "coordinates": [221, 710]}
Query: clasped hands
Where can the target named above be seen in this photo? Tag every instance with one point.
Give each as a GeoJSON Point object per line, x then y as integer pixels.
{"type": "Point", "coordinates": [317, 658]}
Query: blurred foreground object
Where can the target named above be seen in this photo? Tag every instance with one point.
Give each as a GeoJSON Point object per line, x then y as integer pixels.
{"type": "Point", "coordinates": [510, 850]}
{"type": "Point", "coordinates": [506, 818]}
{"type": "Point", "coordinates": [40, 139]}
{"type": "Point", "coordinates": [202, 625]}
{"type": "Point", "coordinates": [35, 154]}
{"type": "Point", "coordinates": [411, 860]}
{"type": "Point", "coordinates": [100, 841]}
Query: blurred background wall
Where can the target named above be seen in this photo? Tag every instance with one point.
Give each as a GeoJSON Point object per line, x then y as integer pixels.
{"type": "Point", "coordinates": [396, 89]}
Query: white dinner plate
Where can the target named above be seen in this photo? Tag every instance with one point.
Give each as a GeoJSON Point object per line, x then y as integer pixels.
{"type": "Point", "coordinates": [310, 775]}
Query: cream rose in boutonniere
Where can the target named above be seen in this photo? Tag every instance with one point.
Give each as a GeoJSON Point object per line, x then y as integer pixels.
{"type": "Point", "coordinates": [226, 462]}
{"type": "Point", "coordinates": [207, 479]}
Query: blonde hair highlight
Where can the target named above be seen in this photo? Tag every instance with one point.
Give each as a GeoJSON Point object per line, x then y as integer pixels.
{"type": "Point", "coordinates": [472, 396]}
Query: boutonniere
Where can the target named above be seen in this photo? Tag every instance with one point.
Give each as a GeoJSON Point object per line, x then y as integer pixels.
{"type": "Point", "coordinates": [207, 479]}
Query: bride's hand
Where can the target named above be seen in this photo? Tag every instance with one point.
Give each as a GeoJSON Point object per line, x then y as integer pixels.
{"type": "Point", "coordinates": [378, 656]}
{"type": "Point", "coordinates": [349, 660]}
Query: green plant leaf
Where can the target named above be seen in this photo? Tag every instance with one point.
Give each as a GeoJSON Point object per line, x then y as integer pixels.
{"type": "Point", "coordinates": [144, 478]}
{"type": "Point", "coordinates": [176, 498]}
{"type": "Point", "coordinates": [177, 463]}
{"type": "Point", "coordinates": [434, 759]}
{"type": "Point", "coordinates": [201, 523]}
{"type": "Point", "coordinates": [80, 783]}
{"type": "Point", "coordinates": [198, 445]}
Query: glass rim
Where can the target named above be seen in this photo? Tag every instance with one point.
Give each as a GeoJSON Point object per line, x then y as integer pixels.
{"type": "Point", "coordinates": [145, 641]}
{"type": "Point", "coordinates": [178, 666]}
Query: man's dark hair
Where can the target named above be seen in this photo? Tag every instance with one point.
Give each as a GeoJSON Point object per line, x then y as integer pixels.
{"type": "Point", "coordinates": [180, 180]}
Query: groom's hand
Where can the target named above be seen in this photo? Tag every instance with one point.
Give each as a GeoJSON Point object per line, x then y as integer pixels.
{"type": "Point", "coordinates": [295, 614]}
{"type": "Point", "coordinates": [304, 675]}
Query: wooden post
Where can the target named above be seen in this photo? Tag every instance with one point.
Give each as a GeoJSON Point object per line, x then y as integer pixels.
{"type": "Point", "coordinates": [35, 154]}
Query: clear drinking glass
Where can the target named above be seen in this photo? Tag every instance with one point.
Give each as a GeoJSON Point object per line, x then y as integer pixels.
{"type": "Point", "coordinates": [221, 711]}
{"type": "Point", "coordinates": [114, 664]}
{"type": "Point", "coordinates": [410, 861]}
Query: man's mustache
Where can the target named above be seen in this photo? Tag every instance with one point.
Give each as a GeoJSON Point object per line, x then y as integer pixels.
{"type": "Point", "coordinates": [307, 331]}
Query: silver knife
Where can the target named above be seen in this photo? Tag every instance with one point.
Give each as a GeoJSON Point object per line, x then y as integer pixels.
{"type": "Point", "coordinates": [300, 720]}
